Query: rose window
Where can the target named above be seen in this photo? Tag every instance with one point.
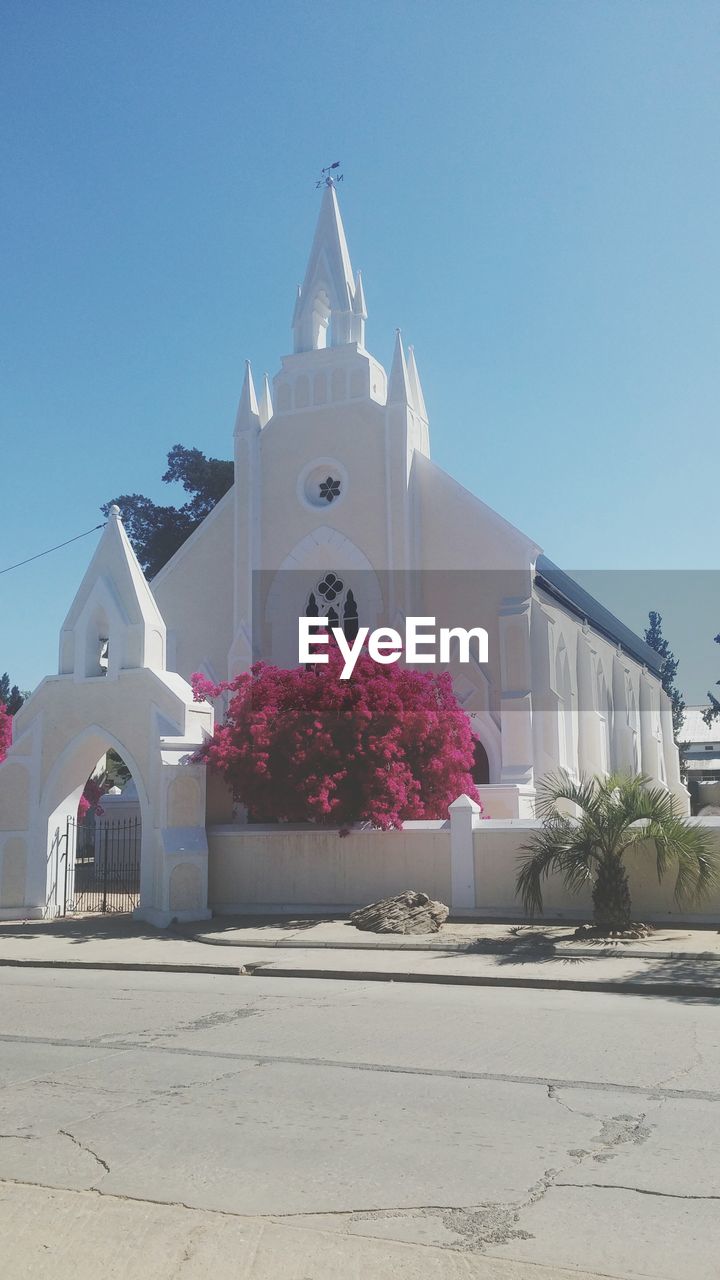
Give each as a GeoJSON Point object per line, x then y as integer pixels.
{"type": "Point", "coordinates": [329, 489]}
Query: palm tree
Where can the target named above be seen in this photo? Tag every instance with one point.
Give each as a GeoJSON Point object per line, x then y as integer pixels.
{"type": "Point", "coordinates": [614, 815]}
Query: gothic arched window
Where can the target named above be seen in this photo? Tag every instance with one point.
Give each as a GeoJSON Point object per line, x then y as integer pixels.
{"type": "Point", "coordinates": [334, 600]}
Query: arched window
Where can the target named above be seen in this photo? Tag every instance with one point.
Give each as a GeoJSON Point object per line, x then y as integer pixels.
{"type": "Point", "coordinates": [604, 708]}
{"type": "Point", "coordinates": [633, 727]}
{"type": "Point", "coordinates": [97, 644]}
{"type": "Point", "coordinates": [333, 599]}
{"type": "Point", "coordinates": [481, 765]}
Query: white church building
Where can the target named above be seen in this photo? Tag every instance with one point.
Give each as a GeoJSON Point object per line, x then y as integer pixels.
{"type": "Point", "coordinates": [337, 511]}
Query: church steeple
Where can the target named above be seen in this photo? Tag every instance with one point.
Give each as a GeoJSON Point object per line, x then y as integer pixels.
{"type": "Point", "coordinates": [330, 363]}
{"type": "Point", "coordinates": [328, 312]}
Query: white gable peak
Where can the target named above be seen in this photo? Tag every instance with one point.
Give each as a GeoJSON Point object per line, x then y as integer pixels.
{"type": "Point", "coordinates": [114, 623]}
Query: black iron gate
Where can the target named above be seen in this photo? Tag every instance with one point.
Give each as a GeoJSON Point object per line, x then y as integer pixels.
{"type": "Point", "coordinates": [99, 865]}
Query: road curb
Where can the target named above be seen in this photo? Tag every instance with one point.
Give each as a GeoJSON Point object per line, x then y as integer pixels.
{"type": "Point", "coordinates": [261, 969]}
{"type": "Point", "coordinates": [601, 952]}
{"type": "Point", "coordinates": [229, 970]}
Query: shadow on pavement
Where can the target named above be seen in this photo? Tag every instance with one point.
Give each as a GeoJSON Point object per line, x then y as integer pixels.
{"type": "Point", "coordinates": [691, 980]}
{"type": "Point", "coordinates": [89, 928]}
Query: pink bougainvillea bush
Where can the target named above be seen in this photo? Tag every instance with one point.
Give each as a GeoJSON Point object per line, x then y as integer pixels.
{"type": "Point", "coordinates": [387, 745]}
{"type": "Point", "coordinates": [90, 799]}
{"type": "Point", "coordinates": [5, 731]}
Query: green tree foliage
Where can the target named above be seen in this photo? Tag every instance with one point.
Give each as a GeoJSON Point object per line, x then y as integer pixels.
{"type": "Point", "coordinates": [155, 531]}
{"type": "Point", "coordinates": [10, 695]}
{"type": "Point", "coordinates": [655, 638]}
{"type": "Point", "coordinates": [713, 710]}
{"type": "Point", "coordinates": [612, 816]}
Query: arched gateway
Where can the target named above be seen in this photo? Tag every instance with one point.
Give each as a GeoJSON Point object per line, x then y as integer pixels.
{"type": "Point", "coordinates": [113, 691]}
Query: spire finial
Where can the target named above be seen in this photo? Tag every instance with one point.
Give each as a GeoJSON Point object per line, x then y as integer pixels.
{"type": "Point", "coordinates": [329, 177]}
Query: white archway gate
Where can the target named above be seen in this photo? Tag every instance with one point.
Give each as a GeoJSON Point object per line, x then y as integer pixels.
{"type": "Point", "coordinates": [112, 691]}
{"type": "Point", "coordinates": [150, 719]}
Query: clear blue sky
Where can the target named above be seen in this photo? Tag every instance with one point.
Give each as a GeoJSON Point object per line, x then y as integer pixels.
{"type": "Point", "coordinates": [532, 191]}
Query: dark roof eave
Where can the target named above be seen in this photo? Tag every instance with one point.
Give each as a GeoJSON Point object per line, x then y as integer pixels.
{"type": "Point", "coordinates": [569, 593]}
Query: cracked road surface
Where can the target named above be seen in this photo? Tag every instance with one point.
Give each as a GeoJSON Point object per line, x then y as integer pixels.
{"type": "Point", "coordinates": [192, 1125]}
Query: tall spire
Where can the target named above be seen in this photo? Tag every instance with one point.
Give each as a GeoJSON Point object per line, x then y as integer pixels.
{"type": "Point", "coordinates": [399, 389]}
{"type": "Point", "coordinates": [248, 414]}
{"type": "Point", "coordinates": [324, 309]}
{"type": "Point", "coordinates": [415, 385]}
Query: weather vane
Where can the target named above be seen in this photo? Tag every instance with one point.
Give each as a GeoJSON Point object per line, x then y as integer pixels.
{"type": "Point", "coordinates": [327, 177]}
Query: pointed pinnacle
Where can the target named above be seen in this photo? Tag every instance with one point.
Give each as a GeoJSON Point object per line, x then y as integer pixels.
{"type": "Point", "coordinates": [399, 391]}
{"type": "Point", "coordinates": [248, 414]}
{"type": "Point", "coordinates": [416, 386]}
{"type": "Point", "coordinates": [265, 407]}
{"type": "Point", "coordinates": [359, 304]}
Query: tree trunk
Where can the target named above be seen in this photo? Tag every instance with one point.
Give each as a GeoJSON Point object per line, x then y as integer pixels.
{"type": "Point", "coordinates": [612, 908]}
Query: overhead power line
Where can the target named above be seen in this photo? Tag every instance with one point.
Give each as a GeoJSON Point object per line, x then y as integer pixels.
{"type": "Point", "coordinates": [40, 554]}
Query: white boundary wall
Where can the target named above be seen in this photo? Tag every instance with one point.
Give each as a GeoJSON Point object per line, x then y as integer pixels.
{"type": "Point", "coordinates": [466, 862]}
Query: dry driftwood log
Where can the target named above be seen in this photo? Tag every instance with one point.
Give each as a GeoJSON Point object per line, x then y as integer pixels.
{"type": "Point", "coordinates": [409, 912]}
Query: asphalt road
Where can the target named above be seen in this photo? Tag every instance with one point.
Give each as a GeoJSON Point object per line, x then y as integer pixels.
{"type": "Point", "coordinates": [562, 1129]}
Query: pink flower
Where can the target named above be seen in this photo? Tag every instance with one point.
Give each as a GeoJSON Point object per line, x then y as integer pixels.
{"type": "Point", "coordinates": [5, 731]}
{"type": "Point", "coordinates": [388, 745]}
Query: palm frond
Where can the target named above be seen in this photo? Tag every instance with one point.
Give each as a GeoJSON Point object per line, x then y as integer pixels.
{"type": "Point", "coordinates": [561, 847]}
{"type": "Point", "coordinates": [560, 786]}
{"type": "Point", "coordinates": [615, 814]}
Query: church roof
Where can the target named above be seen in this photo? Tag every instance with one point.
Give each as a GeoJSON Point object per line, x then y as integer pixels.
{"type": "Point", "coordinates": [569, 593]}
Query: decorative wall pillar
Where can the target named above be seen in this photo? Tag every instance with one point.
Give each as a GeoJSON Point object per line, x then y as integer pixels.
{"type": "Point", "coordinates": [516, 713]}
{"type": "Point", "coordinates": [464, 820]}
{"type": "Point", "coordinates": [589, 749]}
{"type": "Point", "coordinates": [649, 715]}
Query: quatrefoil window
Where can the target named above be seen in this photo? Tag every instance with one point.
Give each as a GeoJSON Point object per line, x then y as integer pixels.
{"type": "Point", "coordinates": [331, 587]}
{"type": "Point", "coordinates": [329, 489]}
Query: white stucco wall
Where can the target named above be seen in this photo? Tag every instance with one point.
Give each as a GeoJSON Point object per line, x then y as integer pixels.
{"type": "Point", "coordinates": [258, 869]}
{"type": "Point", "coordinates": [194, 592]}
{"type": "Point", "coordinates": [250, 868]}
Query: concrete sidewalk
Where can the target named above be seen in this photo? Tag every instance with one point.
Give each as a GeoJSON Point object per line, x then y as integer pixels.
{"type": "Point", "coordinates": [462, 937]}
{"type": "Point", "coordinates": [492, 957]}
{"type": "Point", "coordinates": [51, 1233]}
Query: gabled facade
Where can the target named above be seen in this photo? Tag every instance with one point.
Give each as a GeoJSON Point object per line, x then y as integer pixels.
{"type": "Point", "coordinates": [338, 512]}
{"type": "Point", "coordinates": [333, 474]}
